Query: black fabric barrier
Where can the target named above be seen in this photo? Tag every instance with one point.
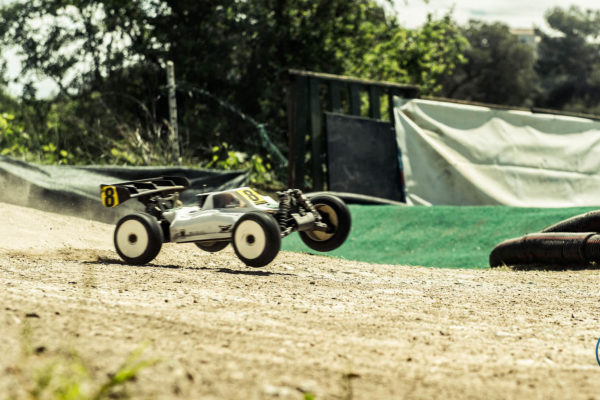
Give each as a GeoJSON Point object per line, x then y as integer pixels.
{"type": "Point", "coordinates": [362, 157]}
{"type": "Point", "coordinates": [75, 190]}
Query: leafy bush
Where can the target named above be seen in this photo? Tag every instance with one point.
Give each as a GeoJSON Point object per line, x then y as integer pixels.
{"type": "Point", "coordinates": [14, 140]}
{"type": "Point", "coordinates": [262, 173]}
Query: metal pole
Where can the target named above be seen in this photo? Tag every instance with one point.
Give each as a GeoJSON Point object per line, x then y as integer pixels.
{"type": "Point", "coordinates": [173, 112]}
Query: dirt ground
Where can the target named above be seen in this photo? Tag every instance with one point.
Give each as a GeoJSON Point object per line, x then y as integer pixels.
{"type": "Point", "coordinates": [305, 326]}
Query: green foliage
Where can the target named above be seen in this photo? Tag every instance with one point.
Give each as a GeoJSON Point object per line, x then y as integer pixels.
{"type": "Point", "coordinates": [382, 50]}
{"type": "Point", "coordinates": [569, 60]}
{"type": "Point", "coordinates": [65, 376]}
{"type": "Point", "coordinates": [499, 68]}
{"type": "Point", "coordinates": [261, 171]}
{"type": "Point", "coordinates": [127, 372]}
{"type": "Point", "coordinates": [231, 60]}
{"type": "Point", "coordinates": [51, 155]}
{"type": "Point", "coordinates": [434, 52]}
{"type": "Point", "coordinates": [107, 58]}
{"type": "Point", "coordinates": [16, 142]}
{"type": "Point", "coordinates": [13, 138]}
{"type": "Point", "coordinates": [80, 43]}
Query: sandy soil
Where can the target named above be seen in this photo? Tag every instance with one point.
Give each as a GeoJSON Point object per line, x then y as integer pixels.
{"type": "Point", "coordinates": [305, 324]}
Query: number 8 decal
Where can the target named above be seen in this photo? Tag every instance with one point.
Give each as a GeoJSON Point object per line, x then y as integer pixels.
{"type": "Point", "coordinates": [252, 196]}
{"type": "Point", "coordinates": [109, 196]}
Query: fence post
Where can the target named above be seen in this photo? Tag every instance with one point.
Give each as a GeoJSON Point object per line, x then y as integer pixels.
{"type": "Point", "coordinates": [374, 104]}
{"type": "Point", "coordinates": [355, 99]}
{"type": "Point", "coordinates": [334, 96]}
{"type": "Point", "coordinates": [298, 128]}
{"type": "Point", "coordinates": [176, 155]}
{"type": "Point", "coordinates": [316, 136]}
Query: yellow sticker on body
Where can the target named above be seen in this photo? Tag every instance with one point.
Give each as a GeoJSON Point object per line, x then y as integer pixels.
{"type": "Point", "coordinates": [252, 196]}
{"type": "Point", "coordinates": [109, 195]}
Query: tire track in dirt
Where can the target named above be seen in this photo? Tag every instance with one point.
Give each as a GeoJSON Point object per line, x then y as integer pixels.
{"type": "Point", "coordinates": [304, 324]}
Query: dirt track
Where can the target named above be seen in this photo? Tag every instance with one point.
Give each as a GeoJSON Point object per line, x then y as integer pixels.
{"type": "Point", "coordinates": [305, 324]}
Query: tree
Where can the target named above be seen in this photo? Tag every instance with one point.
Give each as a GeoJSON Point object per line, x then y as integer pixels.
{"type": "Point", "coordinates": [569, 60]}
{"type": "Point", "coordinates": [499, 68]}
{"type": "Point", "coordinates": [107, 57]}
{"type": "Point", "coordinates": [421, 56]}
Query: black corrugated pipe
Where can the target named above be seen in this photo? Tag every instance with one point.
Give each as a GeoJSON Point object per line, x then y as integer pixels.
{"type": "Point", "coordinates": [588, 222]}
{"type": "Point", "coordinates": [572, 242]}
{"type": "Point", "coordinates": [557, 248]}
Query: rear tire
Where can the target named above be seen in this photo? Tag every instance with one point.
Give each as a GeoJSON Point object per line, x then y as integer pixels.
{"type": "Point", "coordinates": [138, 238]}
{"type": "Point", "coordinates": [336, 215]}
{"type": "Point", "coordinates": [256, 239]}
{"type": "Point", "coordinates": [211, 246]}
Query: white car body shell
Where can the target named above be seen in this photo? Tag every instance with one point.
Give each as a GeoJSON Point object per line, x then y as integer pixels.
{"type": "Point", "coordinates": [214, 219]}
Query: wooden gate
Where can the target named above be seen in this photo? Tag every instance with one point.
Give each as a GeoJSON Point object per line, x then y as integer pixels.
{"type": "Point", "coordinates": [311, 94]}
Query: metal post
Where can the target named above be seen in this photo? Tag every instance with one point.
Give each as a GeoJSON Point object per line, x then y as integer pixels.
{"type": "Point", "coordinates": [176, 158]}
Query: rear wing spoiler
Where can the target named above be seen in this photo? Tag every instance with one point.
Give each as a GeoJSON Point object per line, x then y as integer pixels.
{"type": "Point", "coordinates": [143, 189]}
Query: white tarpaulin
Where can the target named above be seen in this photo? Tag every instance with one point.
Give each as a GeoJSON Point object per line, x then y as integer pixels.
{"type": "Point", "coordinates": [471, 155]}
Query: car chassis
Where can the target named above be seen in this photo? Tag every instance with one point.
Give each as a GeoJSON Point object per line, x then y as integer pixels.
{"type": "Point", "coordinates": [252, 223]}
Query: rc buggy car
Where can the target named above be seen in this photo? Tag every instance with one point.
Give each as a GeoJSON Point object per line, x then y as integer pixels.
{"type": "Point", "coordinates": [254, 224]}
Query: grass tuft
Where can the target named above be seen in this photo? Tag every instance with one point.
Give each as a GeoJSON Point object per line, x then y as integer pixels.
{"type": "Point", "coordinates": [65, 376]}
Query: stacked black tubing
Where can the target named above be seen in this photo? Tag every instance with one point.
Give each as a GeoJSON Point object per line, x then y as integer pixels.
{"type": "Point", "coordinates": [572, 242]}
{"type": "Point", "coordinates": [588, 222]}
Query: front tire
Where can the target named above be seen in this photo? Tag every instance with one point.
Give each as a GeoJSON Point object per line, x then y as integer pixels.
{"type": "Point", "coordinates": [256, 239]}
{"type": "Point", "coordinates": [211, 246]}
{"type": "Point", "coordinates": [336, 215]}
{"type": "Point", "coordinates": [138, 238]}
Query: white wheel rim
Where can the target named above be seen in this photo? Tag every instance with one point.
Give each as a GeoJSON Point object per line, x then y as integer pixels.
{"type": "Point", "coordinates": [321, 236]}
{"type": "Point", "coordinates": [132, 238]}
{"type": "Point", "coordinates": [250, 239]}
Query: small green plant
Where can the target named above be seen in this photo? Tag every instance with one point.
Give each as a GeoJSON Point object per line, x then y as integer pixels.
{"type": "Point", "coordinates": [127, 372]}
{"type": "Point", "coordinates": [13, 138]}
{"type": "Point", "coordinates": [52, 155]}
{"type": "Point", "coordinates": [65, 376]}
{"type": "Point", "coordinates": [261, 170]}
{"type": "Point", "coordinates": [16, 142]}
{"type": "Point", "coordinates": [125, 157]}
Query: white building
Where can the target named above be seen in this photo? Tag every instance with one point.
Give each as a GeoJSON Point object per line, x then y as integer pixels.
{"type": "Point", "coordinates": [527, 36]}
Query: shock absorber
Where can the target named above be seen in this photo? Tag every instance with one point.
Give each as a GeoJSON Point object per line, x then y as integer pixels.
{"type": "Point", "coordinates": [283, 214]}
{"type": "Point", "coordinates": [307, 204]}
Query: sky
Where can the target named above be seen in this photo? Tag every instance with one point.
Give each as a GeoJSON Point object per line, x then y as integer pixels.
{"type": "Point", "coordinates": [514, 13]}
